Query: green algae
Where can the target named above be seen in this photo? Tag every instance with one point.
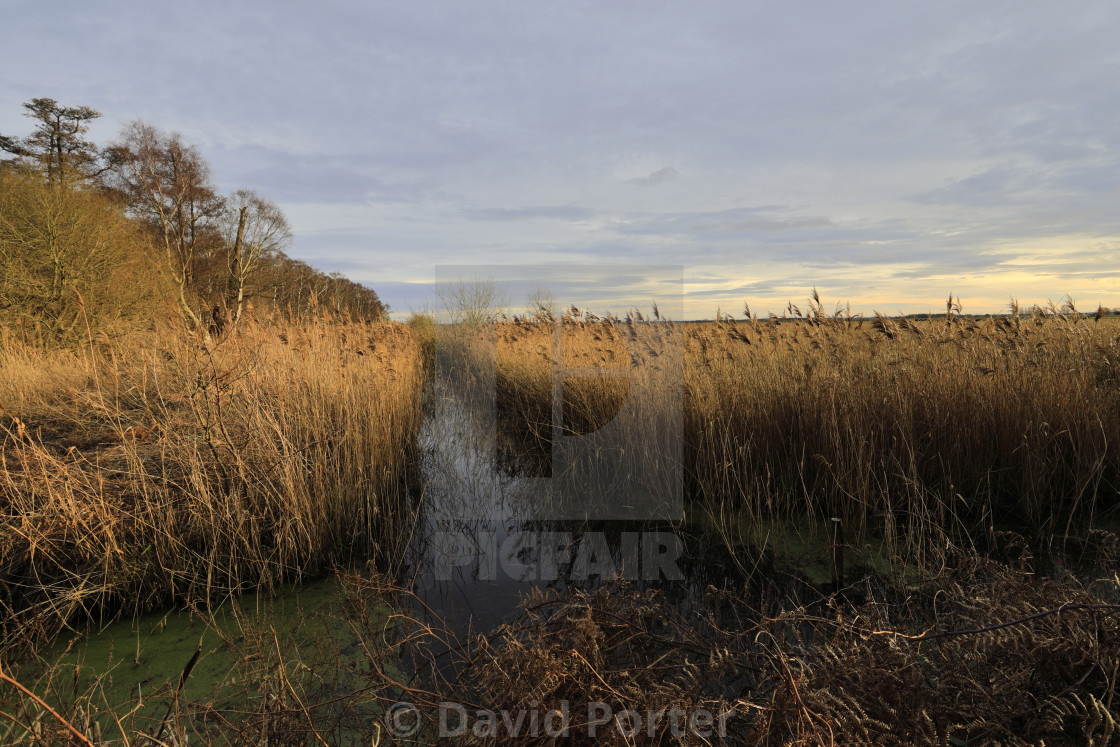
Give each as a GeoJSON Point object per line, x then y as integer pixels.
{"type": "Point", "coordinates": [301, 638]}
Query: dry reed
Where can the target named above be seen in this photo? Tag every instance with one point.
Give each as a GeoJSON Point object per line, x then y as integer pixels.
{"type": "Point", "coordinates": [904, 429]}
{"type": "Point", "coordinates": [157, 468]}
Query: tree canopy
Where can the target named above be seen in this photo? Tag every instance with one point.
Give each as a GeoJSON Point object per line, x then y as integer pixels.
{"type": "Point", "coordinates": [56, 147]}
{"type": "Point", "coordinates": [138, 229]}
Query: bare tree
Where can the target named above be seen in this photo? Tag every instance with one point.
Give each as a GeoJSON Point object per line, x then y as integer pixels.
{"type": "Point", "coordinates": [472, 302]}
{"type": "Point", "coordinates": [255, 229]}
{"type": "Point", "coordinates": [541, 303]}
{"type": "Point", "coordinates": [68, 255]}
{"type": "Point", "coordinates": [167, 184]}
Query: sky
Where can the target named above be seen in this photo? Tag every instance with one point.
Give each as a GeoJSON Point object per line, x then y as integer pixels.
{"type": "Point", "coordinates": [885, 153]}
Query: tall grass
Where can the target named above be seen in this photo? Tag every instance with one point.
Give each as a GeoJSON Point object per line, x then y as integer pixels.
{"type": "Point", "coordinates": [905, 429]}
{"type": "Point", "coordinates": [139, 471]}
{"type": "Point", "coordinates": [544, 383]}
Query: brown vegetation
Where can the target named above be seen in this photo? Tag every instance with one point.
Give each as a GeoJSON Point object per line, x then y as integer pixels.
{"type": "Point", "coordinates": [190, 470]}
{"type": "Point", "coordinates": [156, 468]}
{"type": "Point", "coordinates": [268, 430]}
{"type": "Point", "coordinates": [139, 231]}
{"type": "Point", "coordinates": [979, 653]}
{"type": "Point", "coordinates": [903, 429]}
{"type": "Point", "coordinates": [68, 258]}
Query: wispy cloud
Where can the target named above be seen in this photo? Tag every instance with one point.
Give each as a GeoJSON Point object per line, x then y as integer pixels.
{"type": "Point", "coordinates": [660, 176]}
{"type": "Point", "coordinates": [734, 222]}
{"type": "Point", "coordinates": [882, 155]}
{"type": "Point", "coordinates": [538, 212]}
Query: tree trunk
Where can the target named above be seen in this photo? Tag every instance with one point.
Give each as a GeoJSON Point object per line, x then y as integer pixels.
{"type": "Point", "coordinates": [240, 270]}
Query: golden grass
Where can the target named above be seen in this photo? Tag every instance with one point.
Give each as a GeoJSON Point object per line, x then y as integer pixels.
{"type": "Point", "coordinates": [155, 468]}
{"type": "Point", "coordinates": [898, 427]}
{"type": "Point", "coordinates": [169, 469]}
{"type": "Point", "coordinates": [950, 425]}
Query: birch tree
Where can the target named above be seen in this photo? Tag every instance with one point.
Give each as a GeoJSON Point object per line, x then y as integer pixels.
{"type": "Point", "coordinates": [256, 230]}
{"type": "Point", "coordinates": [167, 184]}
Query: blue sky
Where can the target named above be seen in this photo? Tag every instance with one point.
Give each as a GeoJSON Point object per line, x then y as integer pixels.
{"type": "Point", "coordinates": [886, 153]}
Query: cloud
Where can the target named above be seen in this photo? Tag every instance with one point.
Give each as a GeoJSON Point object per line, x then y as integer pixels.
{"type": "Point", "coordinates": [660, 176]}
{"type": "Point", "coordinates": [538, 212]}
{"type": "Point", "coordinates": [873, 153]}
{"type": "Point", "coordinates": [733, 222]}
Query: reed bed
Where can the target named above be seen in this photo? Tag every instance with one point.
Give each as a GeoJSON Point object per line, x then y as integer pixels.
{"type": "Point", "coordinates": [905, 429]}
{"type": "Point", "coordinates": [157, 468]}
{"type": "Point", "coordinates": [631, 435]}
{"type": "Point", "coordinates": [953, 426]}
{"type": "Point", "coordinates": [179, 470]}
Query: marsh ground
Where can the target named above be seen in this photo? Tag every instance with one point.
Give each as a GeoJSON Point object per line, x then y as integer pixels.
{"type": "Point", "coordinates": [973, 464]}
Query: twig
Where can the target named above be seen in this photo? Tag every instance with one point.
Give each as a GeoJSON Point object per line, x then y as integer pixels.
{"type": "Point", "coordinates": [284, 676]}
{"type": "Point", "coordinates": [4, 677]}
{"type": "Point", "coordinates": [1019, 621]}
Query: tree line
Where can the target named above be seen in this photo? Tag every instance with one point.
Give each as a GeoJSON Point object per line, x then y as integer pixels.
{"type": "Point", "coordinates": [118, 234]}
